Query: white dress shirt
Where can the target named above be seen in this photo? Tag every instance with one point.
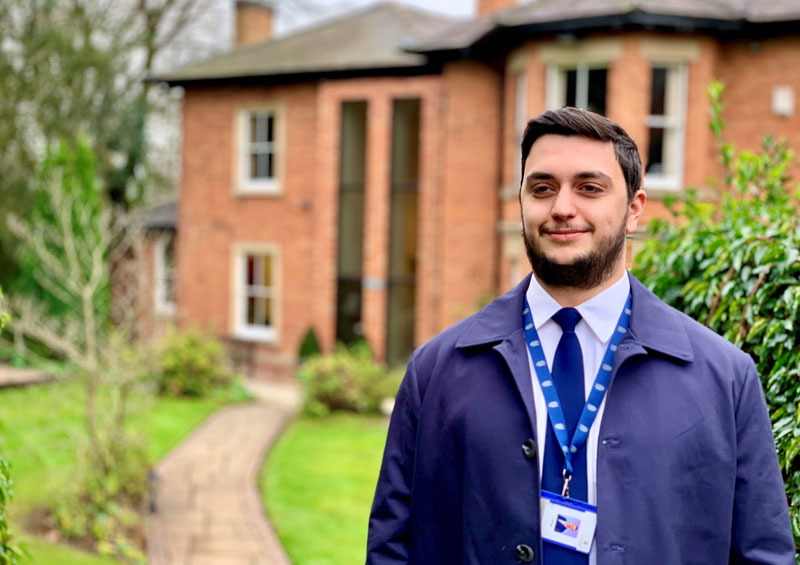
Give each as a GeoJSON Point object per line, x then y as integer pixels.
{"type": "Point", "coordinates": [599, 316]}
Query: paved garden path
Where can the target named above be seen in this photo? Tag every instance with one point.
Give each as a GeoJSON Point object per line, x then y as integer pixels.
{"type": "Point", "coordinates": [208, 508]}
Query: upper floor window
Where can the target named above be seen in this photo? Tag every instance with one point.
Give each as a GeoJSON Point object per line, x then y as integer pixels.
{"type": "Point", "coordinates": [259, 146]}
{"type": "Point", "coordinates": [581, 86]}
{"type": "Point", "coordinates": [666, 127]}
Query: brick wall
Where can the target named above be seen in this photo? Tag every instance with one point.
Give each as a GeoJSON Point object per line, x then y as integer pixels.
{"type": "Point", "coordinates": [751, 70]}
{"type": "Point", "coordinates": [471, 180]}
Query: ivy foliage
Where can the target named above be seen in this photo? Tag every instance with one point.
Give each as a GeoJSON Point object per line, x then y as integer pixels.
{"type": "Point", "coordinates": [734, 264]}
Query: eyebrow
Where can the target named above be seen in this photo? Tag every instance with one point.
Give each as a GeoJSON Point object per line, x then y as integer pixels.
{"type": "Point", "coordinates": [583, 175]}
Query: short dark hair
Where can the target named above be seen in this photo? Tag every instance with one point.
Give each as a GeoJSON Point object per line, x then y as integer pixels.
{"type": "Point", "coordinates": [583, 123]}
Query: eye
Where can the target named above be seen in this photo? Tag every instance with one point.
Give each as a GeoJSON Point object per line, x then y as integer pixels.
{"type": "Point", "coordinates": [541, 189]}
{"type": "Point", "coordinates": [591, 188]}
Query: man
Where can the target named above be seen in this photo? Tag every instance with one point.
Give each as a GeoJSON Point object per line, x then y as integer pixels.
{"type": "Point", "coordinates": [579, 398]}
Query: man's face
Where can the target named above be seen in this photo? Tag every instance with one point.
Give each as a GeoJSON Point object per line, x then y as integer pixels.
{"type": "Point", "coordinates": [575, 211]}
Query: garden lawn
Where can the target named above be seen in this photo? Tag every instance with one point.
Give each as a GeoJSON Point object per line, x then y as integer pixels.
{"type": "Point", "coordinates": [41, 434]}
{"type": "Point", "coordinates": [318, 483]}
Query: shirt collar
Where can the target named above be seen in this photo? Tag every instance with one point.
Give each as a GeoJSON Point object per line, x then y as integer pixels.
{"type": "Point", "coordinates": [601, 312]}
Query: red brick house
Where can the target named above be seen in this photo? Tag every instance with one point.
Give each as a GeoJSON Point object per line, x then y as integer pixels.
{"type": "Point", "coordinates": [360, 177]}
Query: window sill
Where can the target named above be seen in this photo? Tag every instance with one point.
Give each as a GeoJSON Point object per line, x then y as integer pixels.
{"type": "Point", "coordinates": [662, 184]}
{"type": "Point", "coordinates": [245, 189]}
{"type": "Point", "coordinates": [256, 335]}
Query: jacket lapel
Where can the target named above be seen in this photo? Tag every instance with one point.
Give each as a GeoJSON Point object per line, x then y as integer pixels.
{"type": "Point", "coordinates": [499, 325]}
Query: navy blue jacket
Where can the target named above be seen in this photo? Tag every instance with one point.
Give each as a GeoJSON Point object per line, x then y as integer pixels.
{"type": "Point", "coordinates": [687, 471]}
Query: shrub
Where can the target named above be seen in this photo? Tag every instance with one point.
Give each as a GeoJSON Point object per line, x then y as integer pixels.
{"type": "Point", "coordinates": [347, 380]}
{"type": "Point", "coordinates": [191, 364]}
{"type": "Point", "coordinates": [310, 345]}
{"type": "Point", "coordinates": [734, 266]}
{"type": "Point", "coordinates": [103, 506]}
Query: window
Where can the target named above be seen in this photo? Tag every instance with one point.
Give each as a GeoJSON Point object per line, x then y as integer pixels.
{"type": "Point", "coordinates": [666, 127]}
{"type": "Point", "coordinates": [255, 296]}
{"type": "Point", "coordinates": [581, 86]}
{"type": "Point", "coordinates": [352, 170]}
{"type": "Point", "coordinates": [402, 295]}
{"type": "Point", "coordinates": [164, 261]}
{"type": "Point", "coordinates": [259, 165]}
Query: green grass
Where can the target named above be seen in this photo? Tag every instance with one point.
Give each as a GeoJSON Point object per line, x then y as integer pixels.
{"type": "Point", "coordinates": [318, 484]}
{"type": "Point", "coordinates": [41, 434]}
{"type": "Point", "coordinates": [54, 554]}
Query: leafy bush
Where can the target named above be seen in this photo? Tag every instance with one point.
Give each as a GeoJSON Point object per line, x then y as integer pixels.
{"type": "Point", "coordinates": [191, 364]}
{"type": "Point", "coordinates": [103, 505]}
{"type": "Point", "coordinates": [10, 552]}
{"type": "Point", "coordinates": [310, 345]}
{"type": "Point", "coordinates": [347, 380]}
{"type": "Point", "coordinates": [734, 266]}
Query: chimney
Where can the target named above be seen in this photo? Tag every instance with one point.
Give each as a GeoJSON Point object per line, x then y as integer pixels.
{"type": "Point", "coordinates": [253, 21]}
{"type": "Point", "coordinates": [486, 7]}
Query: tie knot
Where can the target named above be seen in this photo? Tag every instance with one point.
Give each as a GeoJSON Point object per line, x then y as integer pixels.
{"type": "Point", "coordinates": [567, 318]}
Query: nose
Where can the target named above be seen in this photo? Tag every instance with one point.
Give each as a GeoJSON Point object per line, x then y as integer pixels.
{"type": "Point", "coordinates": [563, 204]}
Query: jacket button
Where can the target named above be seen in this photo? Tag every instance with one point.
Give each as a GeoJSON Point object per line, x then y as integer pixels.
{"type": "Point", "coordinates": [529, 449]}
{"type": "Point", "coordinates": [524, 553]}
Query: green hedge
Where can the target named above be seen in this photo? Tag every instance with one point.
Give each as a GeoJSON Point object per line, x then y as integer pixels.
{"type": "Point", "coordinates": [733, 265]}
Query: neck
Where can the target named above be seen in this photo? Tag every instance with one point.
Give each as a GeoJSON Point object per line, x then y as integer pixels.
{"type": "Point", "coordinates": [570, 297]}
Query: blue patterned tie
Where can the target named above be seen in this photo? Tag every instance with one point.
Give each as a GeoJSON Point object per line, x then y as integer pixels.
{"type": "Point", "coordinates": [568, 377]}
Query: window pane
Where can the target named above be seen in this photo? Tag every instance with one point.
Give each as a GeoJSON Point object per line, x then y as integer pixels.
{"type": "Point", "coordinates": [658, 93]}
{"type": "Point", "coordinates": [403, 234]}
{"type": "Point", "coordinates": [267, 309]}
{"type": "Point", "coordinates": [597, 91]}
{"type": "Point", "coordinates": [261, 130]}
{"type": "Point", "coordinates": [253, 127]}
{"type": "Point", "coordinates": [351, 233]}
{"type": "Point", "coordinates": [261, 165]}
{"type": "Point", "coordinates": [270, 165]}
{"type": "Point", "coordinates": [655, 153]}
{"type": "Point", "coordinates": [251, 310]}
{"type": "Point", "coordinates": [270, 127]}
{"type": "Point", "coordinates": [250, 270]}
{"type": "Point", "coordinates": [571, 89]}
{"type": "Point", "coordinates": [266, 262]}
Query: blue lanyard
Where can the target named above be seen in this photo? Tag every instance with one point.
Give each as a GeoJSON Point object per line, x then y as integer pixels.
{"type": "Point", "coordinates": [551, 396]}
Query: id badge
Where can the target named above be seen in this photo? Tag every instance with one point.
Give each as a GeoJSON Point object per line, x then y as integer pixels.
{"type": "Point", "coordinates": [567, 522]}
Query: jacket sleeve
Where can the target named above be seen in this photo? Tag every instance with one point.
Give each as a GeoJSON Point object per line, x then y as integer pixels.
{"type": "Point", "coordinates": [389, 535]}
{"type": "Point", "coordinates": [761, 530]}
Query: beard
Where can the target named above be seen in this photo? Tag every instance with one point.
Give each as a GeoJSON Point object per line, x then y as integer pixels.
{"type": "Point", "coordinates": [584, 272]}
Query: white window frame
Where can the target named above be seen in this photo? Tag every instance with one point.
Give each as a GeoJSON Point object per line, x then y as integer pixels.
{"type": "Point", "coordinates": [241, 329]}
{"type": "Point", "coordinates": [245, 184]}
{"type": "Point", "coordinates": [557, 83]}
{"type": "Point", "coordinates": [163, 305]}
{"type": "Point", "coordinates": [675, 120]}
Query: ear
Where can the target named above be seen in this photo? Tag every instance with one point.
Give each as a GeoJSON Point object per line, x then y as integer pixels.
{"type": "Point", "coordinates": [635, 210]}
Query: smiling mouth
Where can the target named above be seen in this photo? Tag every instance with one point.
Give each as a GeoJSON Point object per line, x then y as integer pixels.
{"type": "Point", "coordinates": [564, 234]}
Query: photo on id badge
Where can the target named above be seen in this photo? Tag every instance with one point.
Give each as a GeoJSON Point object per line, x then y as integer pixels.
{"type": "Point", "coordinates": [567, 525]}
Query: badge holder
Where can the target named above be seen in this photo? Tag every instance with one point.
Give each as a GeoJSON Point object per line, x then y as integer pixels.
{"type": "Point", "coordinates": [568, 522]}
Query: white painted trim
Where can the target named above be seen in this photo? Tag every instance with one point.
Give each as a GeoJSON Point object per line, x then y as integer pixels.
{"type": "Point", "coordinates": [672, 181]}
{"type": "Point", "coordinates": [161, 304]}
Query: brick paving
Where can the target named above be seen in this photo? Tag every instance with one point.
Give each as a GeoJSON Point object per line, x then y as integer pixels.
{"type": "Point", "coordinates": [208, 507]}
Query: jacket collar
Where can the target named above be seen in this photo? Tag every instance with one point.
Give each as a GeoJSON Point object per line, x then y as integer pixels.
{"type": "Point", "coordinates": [499, 320]}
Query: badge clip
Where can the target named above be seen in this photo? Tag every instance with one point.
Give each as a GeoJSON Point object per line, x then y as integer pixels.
{"type": "Point", "coordinates": [567, 478]}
